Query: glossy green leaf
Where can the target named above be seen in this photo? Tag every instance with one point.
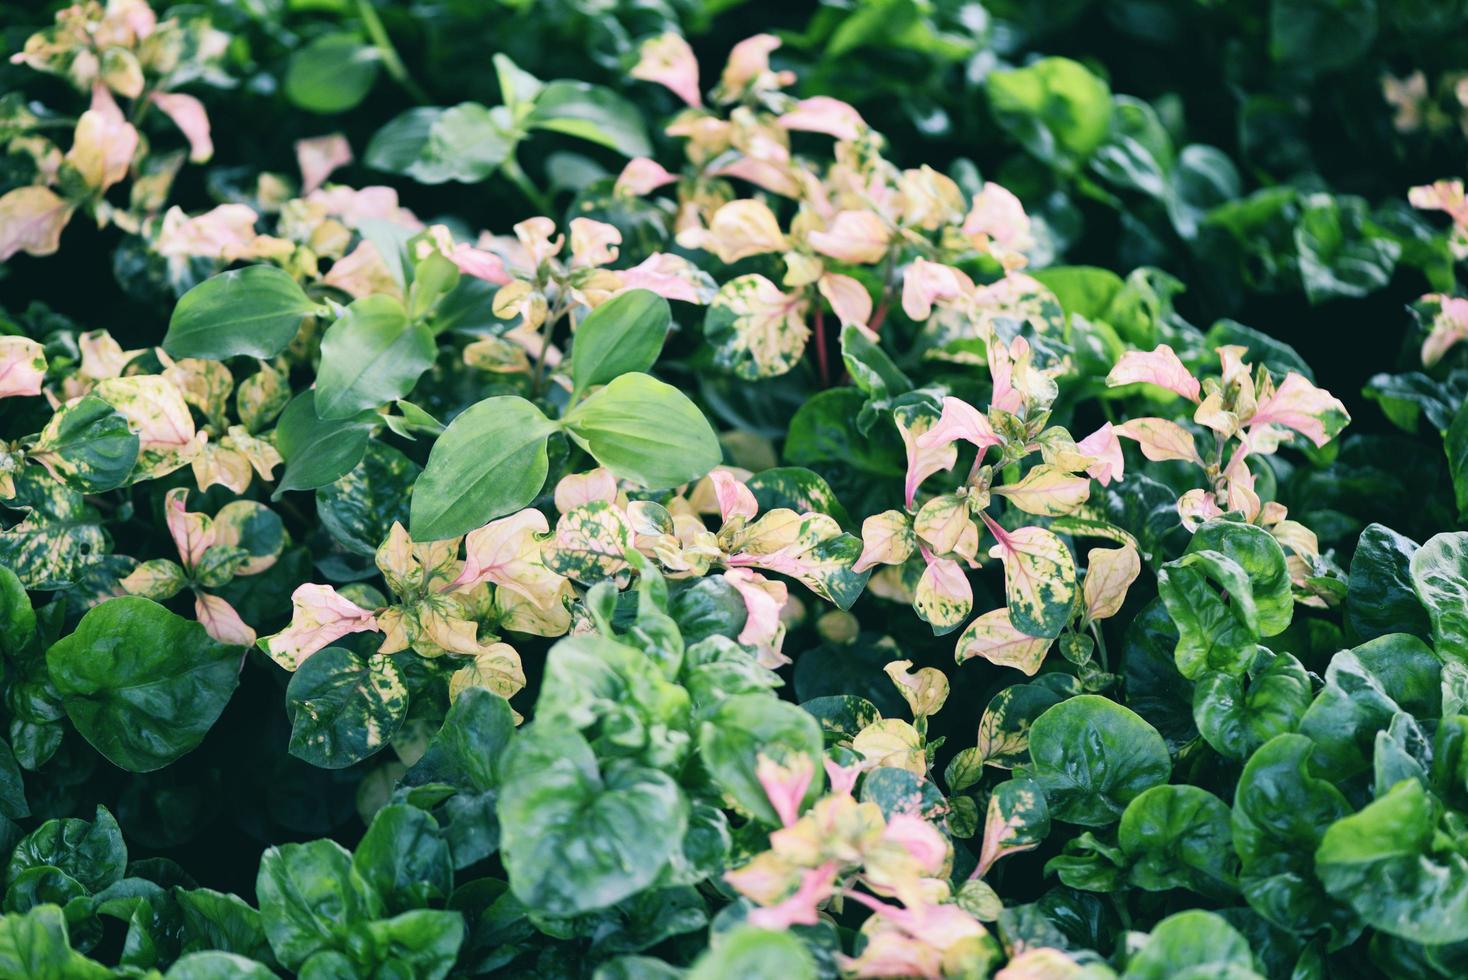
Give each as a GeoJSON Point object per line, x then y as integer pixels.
{"type": "Point", "coordinates": [622, 335]}
{"type": "Point", "coordinates": [254, 311]}
{"type": "Point", "coordinates": [140, 683]}
{"type": "Point", "coordinates": [645, 431]}
{"type": "Point", "coordinates": [371, 355]}
{"type": "Point", "coordinates": [331, 74]}
{"type": "Point", "coordinates": [489, 462]}
{"type": "Point", "coordinates": [1092, 757]}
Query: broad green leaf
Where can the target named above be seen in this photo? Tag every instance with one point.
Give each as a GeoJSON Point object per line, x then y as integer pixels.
{"type": "Point", "coordinates": [1193, 943]}
{"type": "Point", "coordinates": [749, 952]}
{"type": "Point", "coordinates": [1056, 108]}
{"type": "Point", "coordinates": [622, 335]}
{"type": "Point", "coordinates": [1262, 559]}
{"type": "Point", "coordinates": [255, 311]}
{"type": "Point", "coordinates": [343, 708]}
{"type": "Point", "coordinates": [17, 615]}
{"type": "Point", "coordinates": [1092, 757]}
{"type": "Point", "coordinates": [577, 838]}
{"type": "Point", "coordinates": [1364, 688]}
{"type": "Point", "coordinates": [424, 943]}
{"type": "Point", "coordinates": [489, 462]}
{"type": "Point", "coordinates": [404, 858]}
{"type": "Point", "coordinates": [91, 852]}
{"type": "Point", "coordinates": [331, 74]}
{"type": "Point", "coordinates": [642, 430]}
{"type": "Point", "coordinates": [1440, 576]}
{"type": "Point", "coordinates": [141, 684]}
{"type": "Point", "coordinates": [592, 113]}
{"type": "Point", "coordinates": [1215, 632]}
{"type": "Point", "coordinates": [1389, 863]}
{"type": "Point", "coordinates": [1236, 717]}
{"type": "Point", "coordinates": [1178, 837]}
{"type": "Point", "coordinates": [309, 897]}
{"type": "Point", "coordinates": [36, 946]}
{"type": "Point", "coordinates": [318, 452]}
{"type": "Point", "coordinates": [216, 965]}
{"type": "Point", "coordinates": [1138, 154]}
{"type": "Point", "coordinates": [373, 354]}
{"type": "Point", "coordinates": [1381, 598]}
{"type": "Point", "coordinates": [1280, 813]}
{"type": "Point", "coordinates": [467, 748]}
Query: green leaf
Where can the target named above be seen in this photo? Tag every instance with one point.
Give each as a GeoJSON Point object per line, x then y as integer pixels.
{"type": "Point", "coordinates": [1455, 444]}
{"type": "Point", "coordinates": [745, 727]}
{"type": "Point", "coordinates": [593, 113]}
{"type": "Point", "coordinates": [1055, 107]}
{"type": "Point", "coordinates": [1194, 943]}
{"type": "Point", "coordinates": [623, 335]}
{"type": "Point", "coordinates": [344, 707]}
{"type": "Point", "coordinates": [1364, 688]}
{"type": "Point", "coordinates": [214, 920]}
{"type": "Point", "coordinates": [1381, 597]}
{"type": "Point", "coordinates": [89, 445]}
{"type": "Point", "coordinates": [316, 451]}
{"type": "Point", "coordinates": [424, 942]}
{"type": "Point", "coordinates": [1215, 632]}
{"type": "Point", "coordinates": [1137, 155]}
{"type": "Point", "coordinates": [141, 684]}
{"type": "Point", "coordinates": [36, 946]}
{"type": "Point", "coordinates": [1320, 35]}
{"type": "Point", "coordinates": [576, 838]}
{"type": "Point", "coordinates": [475, 733]}
{"type": "Point", "coordinates": [17, 616]}
{"type": "Point", "coordinates": [215, 965]}
{"type": "Point", "coordinates": [645, 431]}
{"type": "Point", "coordinates": [1440, 576]}
{"type": "Point", "coordinates": [467, 142]}
{"type": "Point", "coordinates": [373, 354]}
{"type": "Point", "coordinates": [1178, 837]}
{"type": "Point", "coordinates": [255, 311]}
{"type": "Point", "coordinates": [309, 896]}
{"type": "Point", "coordinates": [404, 858]}
{"type": "Point", "coordinates": [92, 852]}
{"type": "Point", "coordinates": [1280, 813]}
{"type": "Point", "coordinates": [331, 74]}
{"type": "Point", "coordinates": [871, 369]}
{"type": "Point", "coordinates": [489, 462]}
{"type": "Point", "coordinates": [1236, 720]}
{"type": "Point", "coordinates": [1390, 863]}
{"type": "Point", "coordinates": [1340, 255]}
{"type": "Point", "coordinates": [749, 952]}
{"type": "Point", "coordinates": [1262, 559]}
{"type": "Point", "coordinates": [1092, 757]}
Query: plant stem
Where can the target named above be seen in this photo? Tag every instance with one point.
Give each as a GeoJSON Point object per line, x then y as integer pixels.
{"type": "Point", "coordinates": [390, 59]}
{"type": "Point", "coordinates": [511, 169]}
{"type": "Point", "coordinates": [821, 359]}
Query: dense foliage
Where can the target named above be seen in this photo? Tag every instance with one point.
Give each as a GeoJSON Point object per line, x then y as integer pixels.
{"type": "Point", "coordinates": [590, 490]}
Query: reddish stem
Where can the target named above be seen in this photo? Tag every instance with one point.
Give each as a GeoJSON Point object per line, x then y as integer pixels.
{"type": "Point", "coordinates": [821, 359]}
{"type": "Point", "coordinates": [878, 316]}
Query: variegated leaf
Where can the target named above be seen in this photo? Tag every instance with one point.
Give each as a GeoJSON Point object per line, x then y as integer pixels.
{"type": "Point", "coordinates": [1039, 578]}
{"type": "Point", "coordinates": [1109, 573]}
{"type": "Point", "coordinates": [1048, 491]}
{"type": "Point", "coordinates": [590, 543]}
{"type": "Point", "coordinates": [992, 637]}
{"type": "Point", "coordinates": [756, 330]}
{"type": "Point", "coordinates": [1017, 820]}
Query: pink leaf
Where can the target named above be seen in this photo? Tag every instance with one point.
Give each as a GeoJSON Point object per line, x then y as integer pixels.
{"type": "Point", "coordinates": [189, 116]}
{"type": "Point", "coordinates": [1160, 367]}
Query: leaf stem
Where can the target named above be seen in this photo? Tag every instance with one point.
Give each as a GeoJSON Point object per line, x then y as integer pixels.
{"type": "Point", "coordinates": [389, 54]}
{"type": "Point", "coordinates": [821, 359]}
{"type": "Point", "coordinates": [511, 169]}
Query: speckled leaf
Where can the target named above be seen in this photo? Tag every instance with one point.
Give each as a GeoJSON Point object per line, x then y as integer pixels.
{"type": "Point", "coordinates": [87, 445]}
{"type": "Point", "coordinates": [360, 508]}
{"type": "Point", "coordinates": [589, 544]}
{"type": "Point", "coordinates": [993, 637]}
{"type": "Point", "coordinates": [1039, 578]}
{"type": "Point", "coordinates": [756, 330]}
{"type": "Point", "coordinates": [344, 708]}
{"type": "Point", "coordinates": [1004, 729]}
{"type": "Point", "coordinates": [1017, 820]}
{"type": "Point", "coordinates": [1048, 491]}
{"type": "Point", "coordinates": [57, 539]}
